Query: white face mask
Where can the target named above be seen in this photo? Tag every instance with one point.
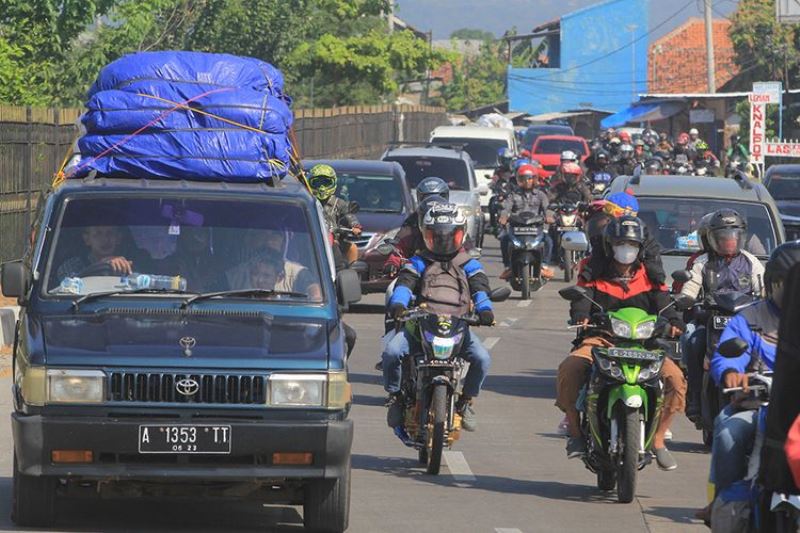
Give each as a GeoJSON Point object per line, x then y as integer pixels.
{"type": "Point", "coordinates": [625, 253]}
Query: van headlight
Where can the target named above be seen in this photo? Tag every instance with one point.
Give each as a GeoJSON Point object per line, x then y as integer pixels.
{"type": "Point", "coordinates": [330, 390]}
{"type": "Point", "coordinates": [75, 386]}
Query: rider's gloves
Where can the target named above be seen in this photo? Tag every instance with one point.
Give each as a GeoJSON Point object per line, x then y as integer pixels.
{"type": "Point", "coordinates": [396, 310]}
{"type": "Point", "coordinates": [487, 317]}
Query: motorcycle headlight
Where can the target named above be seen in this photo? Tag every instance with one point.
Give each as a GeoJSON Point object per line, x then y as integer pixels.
{"type": "Point", "coordinates": [75, 386]}
{"type": "Point", "coordinates": [621, 328]}
{"type": "Point", "coordinates": [568, 220]}
{"type": "Point", "coordinates": [650, 371]}
{"type": "Point", "coordinates": [296, 390]}
{"type": "Point", "coordinates": [645, 329]}
{"type": "Point", "coordinates": [443, 346]}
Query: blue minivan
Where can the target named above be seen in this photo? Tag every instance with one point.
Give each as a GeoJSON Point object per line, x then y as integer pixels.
{"type": "Point", "coordinates": [181, 339]}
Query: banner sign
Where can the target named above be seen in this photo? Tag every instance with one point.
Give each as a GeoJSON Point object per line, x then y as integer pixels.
{"type": "Point", "coordinates": [767, 92]}
{"type": "Point", "coordinates": [757, 131]}
{"type": "Point", "coordinates": [782, 149]}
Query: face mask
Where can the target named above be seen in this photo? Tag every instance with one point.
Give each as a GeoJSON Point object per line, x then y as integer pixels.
{"type": "Point", "coordinates": [626, 254]}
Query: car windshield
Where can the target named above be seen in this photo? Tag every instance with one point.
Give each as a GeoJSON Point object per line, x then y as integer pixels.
{"type": "Point", "coordinates": [373, 194]}
{"type": "Point", "coordinates": [784, 187]}
{"type": "Point", "coordinates": [174, 244]}
{"type": "Point", "coordinates": [531, 134]}
{"type": "Point", "coordinates": [482, 151]}
{"type": "Point", "coordinates": [673, 222]}
{"type": "Point", "coordinates": [454, 171]}
{"type": "Point", "coordinates": [556, 146]}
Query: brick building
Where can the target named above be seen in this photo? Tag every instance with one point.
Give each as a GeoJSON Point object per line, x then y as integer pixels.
{"type": "Point", "coordinates": [677, 61]}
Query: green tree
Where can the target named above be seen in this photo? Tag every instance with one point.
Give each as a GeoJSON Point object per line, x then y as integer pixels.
{"type": "Point", "coordinates": [472, 34]}
{"type": "Point", "coordinates": [478, 80]}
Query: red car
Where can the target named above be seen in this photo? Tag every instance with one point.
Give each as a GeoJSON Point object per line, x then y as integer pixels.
{"type": "Point", "coordinates": [547, 150]}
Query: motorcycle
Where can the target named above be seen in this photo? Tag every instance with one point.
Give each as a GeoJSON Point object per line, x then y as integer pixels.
{"type": "Point", "coordinates": [527, 238]}
{"type": "Point", "coordinates": [570, 240]}
{"type": "Point", "coordinates": [620, 404]}
{"type": "Point", "coordinates": [432, 379]}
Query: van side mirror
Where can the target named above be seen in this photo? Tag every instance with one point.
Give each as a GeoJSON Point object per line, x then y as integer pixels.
{"type": "Point", "coordinates": [14, 279]}
{"type": "Point", "coordinates": [348, 287]}
{"type": "Point", "coordinates": [732, 348]}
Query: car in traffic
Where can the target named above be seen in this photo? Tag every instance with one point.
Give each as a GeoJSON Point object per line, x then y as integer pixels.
{"type": "Point", "coordinates": [384, 202]}
{"type": "Point", "coordinates": [672, 206]}
{"type": "Point", "coordinates": [532, 133]}
{"type": "Point", "coordinates": [482, 144]}
{"type": "Point", "coordinates": [180, 339]}
{"type": "Point", "coordinates": [454, 166]}
{"type": "Point", "coordinates": [547, 150]}
{"type": "Point", "coordinates": [783, 183]}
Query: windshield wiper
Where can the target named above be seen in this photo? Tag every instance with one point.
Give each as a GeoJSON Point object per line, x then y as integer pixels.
{"type": "Point", "coordinates": [144, 290]}
{"type": "Point", "coordinates": [241, 292]}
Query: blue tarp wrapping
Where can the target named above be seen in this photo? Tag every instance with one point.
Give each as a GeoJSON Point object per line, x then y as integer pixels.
{"type": "Point", "coordinates": [178, 115]}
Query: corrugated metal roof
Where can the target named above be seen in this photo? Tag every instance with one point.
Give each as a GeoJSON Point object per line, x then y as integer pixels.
{"type": "Point", "coordinates": [706, 95]}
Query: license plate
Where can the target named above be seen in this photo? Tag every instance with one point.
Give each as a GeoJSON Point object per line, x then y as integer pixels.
{"type": "Point", "coordinates": [568, 228]}
{"type": "Point", "coordinates": [526, 231]}
{"type": "Point", "coordinates": [720, 322]}
{"type": "Point", "coordinates": [640, 355]}
{"type": "Point", "coordinates": [185, 438]}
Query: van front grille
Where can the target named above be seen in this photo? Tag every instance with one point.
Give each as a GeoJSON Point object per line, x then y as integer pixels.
{"type": "Point", "coordinates": [159, 387]}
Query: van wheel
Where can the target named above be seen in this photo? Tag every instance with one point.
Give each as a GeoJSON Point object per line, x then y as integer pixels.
{"type": "Point", "coordinates": [33, 499]}
{"type": "Point", "coordinates": [326, 507]}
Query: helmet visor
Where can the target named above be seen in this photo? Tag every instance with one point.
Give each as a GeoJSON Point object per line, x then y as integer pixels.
{"type": "Point", "coordinates": [727, 241]}
{"type": "Point", "coordinates": [444, 240]}
{"type": "Point", "coordinates": [321, 182]}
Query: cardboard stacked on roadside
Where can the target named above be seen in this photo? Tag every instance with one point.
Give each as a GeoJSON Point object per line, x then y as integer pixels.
{"type": "Point", "coordinates": [186, 115]}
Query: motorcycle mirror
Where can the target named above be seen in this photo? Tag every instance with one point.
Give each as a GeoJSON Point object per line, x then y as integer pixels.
{"type": "Point", "coordinates": [500, 294]}
{"type": "Point", "coordinates": [732, 347]}
{"type": "Point", "coordinates": [681, 276]}
{"type": "Point", "coordinates": [573, 293]}
{"type": "Point", "coordinates": [683, 302]}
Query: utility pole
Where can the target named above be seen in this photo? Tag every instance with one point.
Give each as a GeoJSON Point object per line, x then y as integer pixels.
{"type": "Point", "coordinates": [712, 85]}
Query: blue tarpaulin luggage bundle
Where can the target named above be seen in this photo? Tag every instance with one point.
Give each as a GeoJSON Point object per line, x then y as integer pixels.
{"type": "Point", "coordinates": [186, 115]}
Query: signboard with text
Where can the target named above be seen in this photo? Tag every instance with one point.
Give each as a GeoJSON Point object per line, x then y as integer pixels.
{"type": "Point", "coordinates": [767, 92]}
{"type": "Point", "coordinates": [782, 149]}
{"type": "Point", "coordinates": [757, 130]}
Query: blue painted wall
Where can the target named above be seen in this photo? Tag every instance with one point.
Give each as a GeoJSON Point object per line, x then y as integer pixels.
{"type": "Point", "coordinates": [601, 36]}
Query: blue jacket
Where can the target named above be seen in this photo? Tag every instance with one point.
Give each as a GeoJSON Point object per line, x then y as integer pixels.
{"type": "Point", "coordinates": [758, 326]}
{"type": "Point", "coordinates": [409, 277]}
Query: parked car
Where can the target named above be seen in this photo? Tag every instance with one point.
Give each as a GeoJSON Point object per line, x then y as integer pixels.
{"type": "Point", "coordinates": [384, 201]}
{"type": "Point", "coordinates": [206, 372]}
{"type": "Point", "coordinates": [482, 144]}
{"type": "Point", "coordinates": [534, 132]}
{"type": "Point", "coordinates": [452, 165]}
{"type": "Point", "coordinates": [547, 150]}
{"type": "Point", "coordinates": [783, 183]}
{"type": "Point", "coordinates": [672, 206]}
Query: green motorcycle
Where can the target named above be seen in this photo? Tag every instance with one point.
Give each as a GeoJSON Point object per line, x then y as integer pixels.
{"type": "Point", "coordinates": [621, 402]}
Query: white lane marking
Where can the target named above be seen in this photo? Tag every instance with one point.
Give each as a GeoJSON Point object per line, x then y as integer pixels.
{"type": "Point", "coordinates": [524, 303]}
{"type": "Point", "coordinates": [458, 466]}
{"type": "Point", "coordinates": [508, 322]}
{"type": "Point", "coordinates": [490, 342]}
{"type": "Point", "coordinates": [506, 530]}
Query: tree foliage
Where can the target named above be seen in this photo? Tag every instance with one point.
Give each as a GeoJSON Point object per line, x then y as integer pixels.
{"type": "Point", "coordinates": [331, 51]}
{"type": "Point", "coordinates": [472, 34]}
{"type": "Point", "coordinates": [478, 80]}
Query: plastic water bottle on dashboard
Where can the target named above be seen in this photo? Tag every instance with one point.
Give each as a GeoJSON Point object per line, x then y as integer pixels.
{"type": "Point", "coordinates": [149, 281]}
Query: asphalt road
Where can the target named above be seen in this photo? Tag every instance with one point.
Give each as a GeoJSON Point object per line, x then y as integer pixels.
{"type": "Point", "coordinates": [511, 476]}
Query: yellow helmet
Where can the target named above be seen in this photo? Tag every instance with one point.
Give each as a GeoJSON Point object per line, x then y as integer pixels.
{"type": "Point", "coordinates": [322, 180]}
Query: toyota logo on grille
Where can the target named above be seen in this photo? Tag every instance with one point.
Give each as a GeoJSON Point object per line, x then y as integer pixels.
{"type": "Point", "coordinates": [187, 387]}
{"type": "Point", "coordinates": [187, 342]}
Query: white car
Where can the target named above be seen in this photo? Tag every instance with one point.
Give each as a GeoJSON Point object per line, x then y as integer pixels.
{"type": "Point", "coordinates": [482, 144]}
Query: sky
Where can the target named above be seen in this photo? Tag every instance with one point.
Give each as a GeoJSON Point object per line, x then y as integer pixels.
{"type": "Point", "coordinates": [497, 16]}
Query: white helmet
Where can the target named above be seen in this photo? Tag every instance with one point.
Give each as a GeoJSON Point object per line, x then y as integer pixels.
{"type": "Point", "coordinates": [568, 155]}
{"type": "Point", "coordinates": [694, 131]}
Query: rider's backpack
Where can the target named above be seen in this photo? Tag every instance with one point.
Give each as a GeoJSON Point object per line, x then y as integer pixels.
{"type": "Point", "coordinates": [444, 286]}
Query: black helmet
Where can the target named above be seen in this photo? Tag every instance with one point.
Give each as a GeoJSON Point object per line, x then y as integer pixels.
{"type": "Point", "coordinates": [505, 157]}
{"type": "Point", "coordinates": [726, 232]}
{"type": "Point", "coordinates": [601, 155]}
{"type": "Point", "coordinates": [783, 258]}
{"type": "Point", "coordinates": [654, 165]}
{"type": "Point", "coordinates": [444, 228]}
{"type": "Point", "coordinates": [430, 187]}
{"type": "Point", "coordinates": [702, 231]}
{"type": "Point", "coordinates": [735, 139]}
{"type": "Point", "coordinates": [427, 202]}
{"type": "Point", "coordinates": [625, 228]}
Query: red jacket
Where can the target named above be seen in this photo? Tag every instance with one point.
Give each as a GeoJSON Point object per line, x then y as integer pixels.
{"type": "Point", "coordinates": [792, 448]}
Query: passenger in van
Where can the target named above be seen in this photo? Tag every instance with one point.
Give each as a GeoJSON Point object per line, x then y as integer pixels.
{"type": "Point", "coordinates": [103, 245]}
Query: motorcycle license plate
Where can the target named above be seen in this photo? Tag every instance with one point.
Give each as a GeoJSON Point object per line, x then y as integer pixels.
{"type": "Point", "coordinates": [640, 355]}
{"type": "Point", "coordinates": [526, 231]}
{"type": "Point", "coordinates": [720, 322]}
{"type": "Point", "coordinates": [185, 438]}
{"type": "Point", "coordinates": [568, 228]}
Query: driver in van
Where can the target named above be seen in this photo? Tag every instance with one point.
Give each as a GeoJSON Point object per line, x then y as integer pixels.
{"type": "Point", "coordinates": [103, 244]}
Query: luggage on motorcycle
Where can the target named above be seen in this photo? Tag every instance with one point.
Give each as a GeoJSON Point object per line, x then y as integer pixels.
{"type": "Point", "coordinates": [444, 287]}
{"type": "Point", "coordinates": [731, 511]}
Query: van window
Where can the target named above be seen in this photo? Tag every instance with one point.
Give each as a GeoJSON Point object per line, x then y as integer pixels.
{"type": "Point", "coordinates": [556, 146]}
{"type": "Point", "coordinates": [454, 171]}
{"type": "Point", "coordinates": [205, 245]}
{"type": "Point", "coordinates": [482, 151]}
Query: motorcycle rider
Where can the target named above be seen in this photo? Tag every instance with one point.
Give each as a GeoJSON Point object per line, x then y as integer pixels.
{"type": "Point", "coordinates": [570, 185]}
{"type": "Point", "coordinates": [504, 170]}
{"type": "Point", "coordinates": [640, 151]}
{"type": "Point", "coordinates": [338, 213]}
{"type": "Point", "coordinates": [757, 325]}
{"type": "Point", "coordinates": [704, 156]}
{"type": "Point", "coordinates": [449, 282]}
{"type": "Point", "coordinates": [681, 145]}
{"type": "Point", "coordinates": [528, 197]}
{"type": "Point", "coordinates": [622, 282]}
{"type": "Point", "coordinates": [735, 269]}
{"type": "Point", "coordinates": [663, 143]}
{"type": "Point", "coordinates": [694, 138]}
{"type": "Point", "coordinates": [737, 149]}
{"type": "Point", "coordinates": [626, 162]}
{"type": "Point", "coordinates": [602, 173]}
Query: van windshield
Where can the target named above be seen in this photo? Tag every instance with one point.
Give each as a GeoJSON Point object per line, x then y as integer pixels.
{"type": "Point", "coordinates": [482, 151]}
{"type": "Point", "coordinates": [454, 171]}
{"type": "Point", "coordinates": [127, 243]}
